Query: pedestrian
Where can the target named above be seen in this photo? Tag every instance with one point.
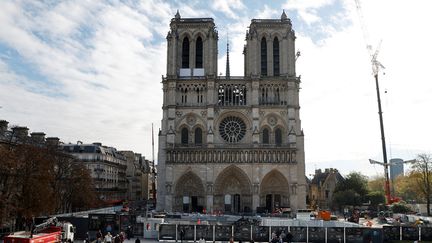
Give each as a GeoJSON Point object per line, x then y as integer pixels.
{"type": "Point", "coordinates": [182, 234]}
{"type": "Point", "coordinates": [232, 239]}
{"type": "Point", "coordinates": [273, 235]}
{"type": "Point", "coordinates": [122, 237]}
{"type": "Point", "coordinates": [282, 236]}
{"type": "Point", "coordinates": [99, 236]}
{"type": "Point", "coordinates": [108, 238]}
{"type": "Point", "coordinates": [274, 238]}
{"type": "Point", "coordinates": [117, 239]}
{"type": "Point", "coordinates": [289, 237]}
{"type": "Point", "coordinates": [129, 232]}
{"type": "Point", "coordinates": [87, 237]}
{"type": "Point", "coordinates": [137, 240]}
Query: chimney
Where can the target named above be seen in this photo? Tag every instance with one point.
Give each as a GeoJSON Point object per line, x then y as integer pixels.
{"type": "Point", "coordinates": [37, 137]}
{"type": "Point", "coordinates": [53, 141]}
{"type": "Point", "coordinates": [3, 127]}
{"type": "Point", "coordinates": [20, 133]}
{"type": "Point", "coordinates": [327, 170]}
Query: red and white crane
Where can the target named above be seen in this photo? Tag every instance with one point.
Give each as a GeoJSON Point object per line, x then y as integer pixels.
{"type": "Point", "coordinates": [376, 66]}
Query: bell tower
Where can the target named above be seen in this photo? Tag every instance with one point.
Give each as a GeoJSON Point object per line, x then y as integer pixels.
{"type": "Point", "coordinates": [192, 47]}
{"type": "Point", "coordinates": [269, 49]}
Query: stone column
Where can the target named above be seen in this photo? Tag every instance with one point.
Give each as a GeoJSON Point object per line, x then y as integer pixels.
{"type": "Point", "coordinates": [255, 197]}
{"type": "Point", "coordinates": [254, 58]}
{"type": "Point", "coordinates": [283, 52]}
{"type": "Point", "coordinates": [209, 197]}
{"type": "Point", "coordinates": [291, 55]}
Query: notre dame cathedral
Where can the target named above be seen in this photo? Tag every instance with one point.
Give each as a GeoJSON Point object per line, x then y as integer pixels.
{"type": "Point", "coordinates": [231, 144]}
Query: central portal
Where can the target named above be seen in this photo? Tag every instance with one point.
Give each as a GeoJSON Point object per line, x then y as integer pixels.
{"type": "Point", "coordinates": [233, 192]}
{"type": "Point", "coordinates": [233, 204]}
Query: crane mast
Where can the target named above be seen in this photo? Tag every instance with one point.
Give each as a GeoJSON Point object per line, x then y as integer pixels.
{"type": "Point", "coordinates": [376, 66]}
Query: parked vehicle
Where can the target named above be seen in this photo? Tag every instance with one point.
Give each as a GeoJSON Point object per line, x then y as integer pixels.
{"type": "Point", "coordinates": [49, 231]}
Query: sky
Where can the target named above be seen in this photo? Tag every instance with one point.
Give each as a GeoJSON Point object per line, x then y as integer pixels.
{"type": "Point", "coordinates": [91, 71]}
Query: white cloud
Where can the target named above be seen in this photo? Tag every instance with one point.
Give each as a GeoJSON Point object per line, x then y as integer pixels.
{"type": "Point", "coordinates": [108, 60]}
{"type": "Point", "coordinates": [108, 77]}
{"type": "Point", "coordinates": [229, 7]}
{"type": "Point", "coordinates": [307, 9]}
{"type": "Point", "coordinates": [267, 13]}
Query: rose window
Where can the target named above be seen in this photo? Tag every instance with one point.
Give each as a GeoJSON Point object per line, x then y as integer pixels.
{"type": "Point", "coordinates": [232, 129]}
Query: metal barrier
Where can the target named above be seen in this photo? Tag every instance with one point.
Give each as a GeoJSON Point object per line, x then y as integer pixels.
{"type": "Point", "coordinates": [194, 233]}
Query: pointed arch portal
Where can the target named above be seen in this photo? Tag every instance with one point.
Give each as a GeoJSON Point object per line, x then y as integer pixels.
{"type": "Point", "coordinates": [189, 194]}
{"type": "Point", "coordinates": [233, 191]}
{"type": "Point", "coordinates": [274, 191]}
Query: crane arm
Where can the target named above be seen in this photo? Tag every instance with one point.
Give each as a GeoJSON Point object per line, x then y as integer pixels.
{"type": "Point", "coordinates": [44, 225]}
{"type": "Point", "coordinates": [363, 27]}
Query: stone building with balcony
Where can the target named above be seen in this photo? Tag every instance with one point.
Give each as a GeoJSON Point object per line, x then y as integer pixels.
{"type": "Point", "coordinates": [107, 168]}
{"type": "Point", "coordinates": [231, 144]}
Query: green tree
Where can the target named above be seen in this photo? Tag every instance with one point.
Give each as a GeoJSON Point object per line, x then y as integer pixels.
{"type": "Point", "coordinates": [351, 191]}
{"type": "Point", "coordinates": [423, 165]}
{"type": "Point", "coordinates": [346, 197]}
{"type": "Point", "coordinates": [406, 187]}
{"type": "Point", "coordinates": [376, 184]}
{"type": "Point", "coordinates": [375, 198]}
{"type": "Point", "coordinates": [354, 181]}
{"type": "Point", "coordinates": [400, 208]}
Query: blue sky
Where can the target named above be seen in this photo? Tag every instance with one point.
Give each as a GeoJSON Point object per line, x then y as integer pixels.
{"type": "Point", "coordinates": [91, 71]}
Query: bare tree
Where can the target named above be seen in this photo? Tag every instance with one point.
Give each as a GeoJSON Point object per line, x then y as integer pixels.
{"type": "Point", "coordinates": [40, 180]}
{"type": "Point", "coordinates": [423, 165]}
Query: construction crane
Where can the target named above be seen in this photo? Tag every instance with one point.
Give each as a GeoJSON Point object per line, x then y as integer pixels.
{"type": "Point", "coordinates": [386, 165]}
{"type": "Point", "coordinates": [376, 66]}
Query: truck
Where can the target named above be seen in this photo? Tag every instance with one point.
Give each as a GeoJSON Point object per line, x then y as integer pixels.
{"type": "Point", "coordinates": [49, 231]}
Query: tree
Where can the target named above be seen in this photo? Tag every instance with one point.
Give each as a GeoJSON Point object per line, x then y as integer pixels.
{"type": "Point", "coordinates": [72, 185]}
{"type": "Point", "coordinates": [406, 187]}
{"type": "Point", "coordinates": [346, 197]}
{"type": "Point", "coordinates": [375, 198]}
{"type": "Point", "coordinates": [351, 191]}
{"type": "Point", "coordinates": [423, 165]}
{"type": "Point", "coordinates": [354, 181]}
{"type": "Point", "coordinates": [400, 208]}
{"type": "Point", "coordinates": [376, 184]}
{"type": "Point", "coordinates": [8, 181]}
{"type": "Point", "coordinates": [36, 179]}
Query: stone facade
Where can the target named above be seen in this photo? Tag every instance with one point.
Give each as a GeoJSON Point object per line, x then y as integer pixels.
{"type": "Point", "coordinates": [137, 174]}
{"type": "Point", "coordinates": [107, 168]}
{"type": "Point", "coordinates": [322, 188]}
{"type": "Point", "coordinates": [231, 144]}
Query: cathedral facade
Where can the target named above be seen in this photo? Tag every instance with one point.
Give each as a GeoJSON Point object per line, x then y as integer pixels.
{"type": "Point", "coordinates": [231, 144]}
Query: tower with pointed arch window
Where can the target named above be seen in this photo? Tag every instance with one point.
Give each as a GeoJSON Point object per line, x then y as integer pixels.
{"type": "Point", "coordinates": [227, 143]}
